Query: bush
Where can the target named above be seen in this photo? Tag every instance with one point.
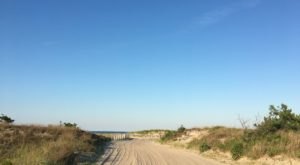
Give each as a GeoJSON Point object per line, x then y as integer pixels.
{"type": "Point", "coordinates": [237, 150]}
{"type": "Point", "coordinates": [6, 119]}
{"type": "Point", "coordinates": [169, 135]}
{"type": "Point", "coordinates": [204, 147]}
{"type": "Point", "coordinates": [70, 125]}
{"type": "Point", "coordinates": [280, 118]}
{"type": "Point", "coordinates": [181, 129]}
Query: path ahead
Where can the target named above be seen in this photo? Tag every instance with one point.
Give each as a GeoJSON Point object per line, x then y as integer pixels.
{"type": "Point", "coordinates": [143, 152]}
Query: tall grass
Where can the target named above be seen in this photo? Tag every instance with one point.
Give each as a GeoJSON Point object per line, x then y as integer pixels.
{"type": "Point", "coordinates": [21, 144]}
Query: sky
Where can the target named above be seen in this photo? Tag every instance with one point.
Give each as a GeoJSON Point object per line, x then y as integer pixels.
{"type": "Point", "coordinates": [139, 64]}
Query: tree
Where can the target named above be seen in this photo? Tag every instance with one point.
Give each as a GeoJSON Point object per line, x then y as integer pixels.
{"type": "Point", "coordinates": [6, 119]}
{"type": "Point", "coordinates": [280, 118]}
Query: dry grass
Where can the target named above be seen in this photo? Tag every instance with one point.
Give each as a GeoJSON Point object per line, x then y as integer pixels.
{"type": "Point", "coordinates": [217, 138]}
{"type": "Point", "coordinates": [240, 142]}
{"type": "Point", "coordinates": [21, 144]}
{"type": "Point", "coordinates": [281, 143]}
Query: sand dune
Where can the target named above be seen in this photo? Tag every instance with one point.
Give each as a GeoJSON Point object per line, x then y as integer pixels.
{"type": "Point", "coordinates": [139, 152]}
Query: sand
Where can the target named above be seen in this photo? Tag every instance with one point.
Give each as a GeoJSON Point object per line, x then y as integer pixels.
{"type": "Point", "coordinates": [139, 152]}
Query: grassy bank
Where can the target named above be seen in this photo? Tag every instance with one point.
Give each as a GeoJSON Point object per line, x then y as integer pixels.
{"type": "Point", "coordinates": [239, 143]}
{"type": "Point", "coordinates": [277, 134]}
{"type": "Point", "coordinates": [32, 144]}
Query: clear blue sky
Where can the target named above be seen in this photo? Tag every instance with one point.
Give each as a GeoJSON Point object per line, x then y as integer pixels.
{"type": "Point", "coordinates": [140, 64]}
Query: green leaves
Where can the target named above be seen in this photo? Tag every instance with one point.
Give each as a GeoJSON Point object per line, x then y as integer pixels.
{"type": "Point", "coordinates": [280, 118]}
{"type": "Point", "coordinates": [204, 147]}
{"type": "Point", "coordinates": [73, 125]}
{"type": "Point", "coordinates": [6, 119]}
{"type": "Point", "coordinates": [181, 129]}
{"type": "Point", "coordinates": [237, 150]}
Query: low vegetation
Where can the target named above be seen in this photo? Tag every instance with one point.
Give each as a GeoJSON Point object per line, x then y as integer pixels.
{"type": "Point", "coordinates": [277, 134]}
{"type": "Point", "coordinates": [32, 144]}
{"type": "Point", "coordinates": [170, 135]}
{"type": "Point", "coordinates": [5, 119]}
{"type": "Point", "coordinates": [73, 125]}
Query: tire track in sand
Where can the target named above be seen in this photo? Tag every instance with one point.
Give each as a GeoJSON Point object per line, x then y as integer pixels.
{"type": "Point", "coordinates": [143, 152]}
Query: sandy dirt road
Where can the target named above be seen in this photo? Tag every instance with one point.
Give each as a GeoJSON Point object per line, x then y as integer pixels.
{"type": "Point", "coordinates": [144, 152]}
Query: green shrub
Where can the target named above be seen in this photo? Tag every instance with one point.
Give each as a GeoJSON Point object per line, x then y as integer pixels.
{"type": "Point", "coordinates": [273, 150]}
{"type": "Point", "coordinates": [204, 147]}
{"type": "Point", "coordinates": [181, 129]}
{"type": "Point", "coordinates": [70, 125]}
{"type": "Point", "coordinates": [237, 150]}
{"type": "Point", "coordinates": [6, 119]}
{"type": "Point", "coordinates": [249, 136]}
{"type": "Point", "coordinates": [280, 118]}
{"type": "Point", "coordinates": [273, 138]}
{"type": "Point", "coordinates": [228, 144]}
{"type": "Point", "coordinates": [169, 135]}
{"type": "Point", "coordinates": [221, 146]}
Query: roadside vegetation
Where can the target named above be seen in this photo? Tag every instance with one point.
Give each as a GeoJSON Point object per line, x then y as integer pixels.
{"type": "Point", "coordinates": [277, 134]}
{"type": "Point", "coordinates": [49, 145]}
{"type": "Point", "coordinates": [173, 135]}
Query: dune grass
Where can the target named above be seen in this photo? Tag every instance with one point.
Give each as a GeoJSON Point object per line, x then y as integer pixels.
{"type": "Point", "coordinates": [33, 144]}
{"type": "Point", "coordinates": [277, 134]}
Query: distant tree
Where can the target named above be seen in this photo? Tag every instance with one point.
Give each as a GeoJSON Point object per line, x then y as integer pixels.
{"type": "Point", "coordinates": [70, 125]}
{"type": "Point", "coordinates": [181, 129]}
{"type": "Point", "coordinates": [6, 119]}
